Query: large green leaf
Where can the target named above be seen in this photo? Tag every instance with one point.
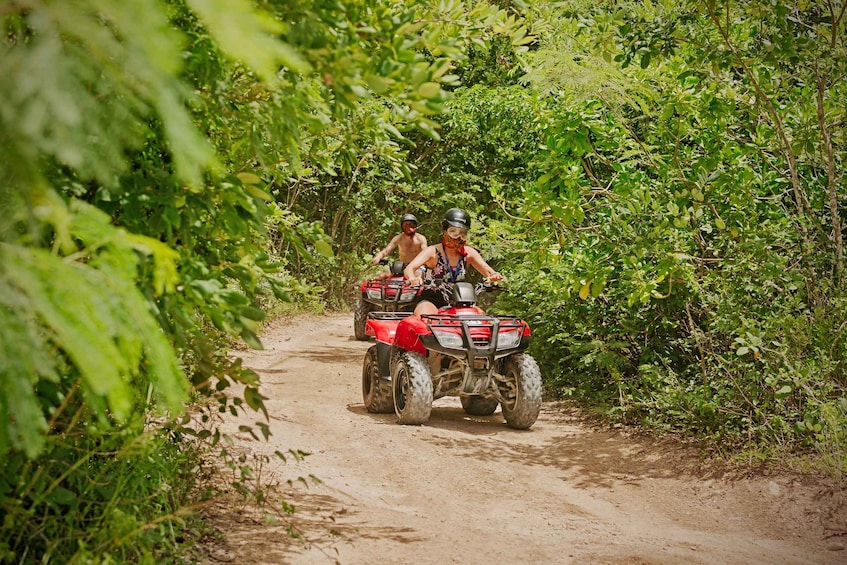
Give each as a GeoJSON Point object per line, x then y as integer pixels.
{"type": "Point", "coordinates": [249, 36]}
{"type": "Point", "coordinates": [90, 311]}
{"type": "Point", "coordinates": [24, 360]}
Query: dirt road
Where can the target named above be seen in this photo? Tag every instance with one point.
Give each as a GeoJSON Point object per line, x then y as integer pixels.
{"type": "Point", "coordinates": [470, 490]}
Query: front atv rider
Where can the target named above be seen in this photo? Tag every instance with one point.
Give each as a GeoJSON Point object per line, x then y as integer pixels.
{"type": "Point", "coordinates": [409, 244]}
{"type": "Point", "coordinates": [447, 260]}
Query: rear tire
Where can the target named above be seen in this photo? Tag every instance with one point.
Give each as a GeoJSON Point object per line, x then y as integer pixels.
{"type": "Point", "coordinates": [411, 382]}
{"type": "Point", "coordinates": [376, 392]}
{"type": "Point", "coordinates": [360, 318]}
{"type": "Point", "coordinates": [521, 392]}
{"type": "Point", "coordinates": [478, 405]}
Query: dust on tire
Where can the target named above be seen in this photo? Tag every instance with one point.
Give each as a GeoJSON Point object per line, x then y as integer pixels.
{"type": "Point", "coordinates": [376, 392]}
{"type": "Point", "coordinates": [521, 392]}
{"type": "Point", "coordinates": [411, 382]}
{"type": "Point", "coordinates": [360, 318]}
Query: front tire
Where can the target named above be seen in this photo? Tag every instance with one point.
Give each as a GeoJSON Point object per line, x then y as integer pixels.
{"type": "Point", "coordinates": [376, 392]}
{"type": "Point", "coordinates": [411, 382]}
{"type": "Point", "coordinates": [478, 405]}
{"type": "Point", "coordinates": [521, 392]}
{"type": "Point", "coordinates": [360, 318]}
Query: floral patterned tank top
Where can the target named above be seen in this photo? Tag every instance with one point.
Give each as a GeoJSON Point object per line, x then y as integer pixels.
{"type": "Point", "coordinates": [448, 273]}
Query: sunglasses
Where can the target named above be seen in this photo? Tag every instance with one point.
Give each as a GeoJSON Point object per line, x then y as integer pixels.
{"type": "Point", "coordinates": [456, 233]}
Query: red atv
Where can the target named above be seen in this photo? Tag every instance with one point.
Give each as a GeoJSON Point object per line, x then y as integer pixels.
{"type": "Point", "coordinates": [461, 352]}
{"type": "Point", "coordinates": [383, 295]}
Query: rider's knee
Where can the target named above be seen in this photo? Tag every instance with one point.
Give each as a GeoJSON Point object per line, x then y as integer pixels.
{"type": "Point", "coordinates": [425, 307]}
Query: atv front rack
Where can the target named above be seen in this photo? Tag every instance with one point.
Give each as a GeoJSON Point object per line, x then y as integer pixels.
{"type": "Point", "coordinates": [390, 294]}
{"type": "Point", "coordinates": [477, 335]}
{"type": "Point", "coordinates": [479, 341]}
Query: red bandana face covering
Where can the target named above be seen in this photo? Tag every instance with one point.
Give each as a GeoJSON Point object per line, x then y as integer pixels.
{"type": "Point", "coordinates": [458, 244]}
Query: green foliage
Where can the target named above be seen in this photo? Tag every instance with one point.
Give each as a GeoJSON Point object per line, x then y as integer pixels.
{"type": "Point", "coordinates": [370, 103]}
{"type": "Point", "coordinates": [674, 249]}
{"type": "Point", "coordinates": [162, 162]}
{"type": "Point", "coordinates": [98, 494]}
{"type": "Point", "coordinates": [109, 338]}
{"type": "Point", "coordinates": [661, 183]}
{"type": "Point", "coordinates": [497, 64]}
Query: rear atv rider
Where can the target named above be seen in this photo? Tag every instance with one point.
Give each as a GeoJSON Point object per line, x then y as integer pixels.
{"type": "Point", "coordinates": [409, 244]}
{"type": "Point", "coordinates": [448, 260]}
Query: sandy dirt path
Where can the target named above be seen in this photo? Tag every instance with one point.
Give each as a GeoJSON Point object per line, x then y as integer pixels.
{"type": "Point", "coordinates": [470, 490]}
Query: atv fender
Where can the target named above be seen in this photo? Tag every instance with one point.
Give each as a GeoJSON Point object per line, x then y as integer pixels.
{"type": "Point", "coordinates": [382, 330]}
{"type": "Point", "coordinates": [408, 332]}
{"type": "Point", "coordinates": [383, 356]}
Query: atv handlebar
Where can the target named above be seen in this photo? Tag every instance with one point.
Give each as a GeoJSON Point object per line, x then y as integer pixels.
{"type": "Point", "coordinates": [394, 266]}
{"type": "Point", "coordinates": [441, 284]}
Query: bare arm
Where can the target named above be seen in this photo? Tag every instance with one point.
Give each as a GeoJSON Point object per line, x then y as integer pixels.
{"type": "Point", "coordinates": [475, 259]}
{"type": "Point", "coordinates": [386, 250]}
{"type": "Point", "coordinates": [412, 272]}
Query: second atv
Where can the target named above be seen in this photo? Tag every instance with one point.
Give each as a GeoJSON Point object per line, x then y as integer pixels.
{"type": "Point", "coordinates": [460, 351]}
{"type": "Point", "coordinates": [383, 295]}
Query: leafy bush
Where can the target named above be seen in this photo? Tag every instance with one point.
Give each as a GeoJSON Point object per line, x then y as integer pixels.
{"type": "Point", "coordinates": [673, 251]}
{"type": "Point", "coordinates": [96, 493]}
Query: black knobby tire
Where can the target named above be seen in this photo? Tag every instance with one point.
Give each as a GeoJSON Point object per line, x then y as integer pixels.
{"type": "Point", "coordinates": [521, 392]}
{"type": "Point", "coordinates": [479, 405]}
{"type": "Point", "coordinates": [411, 382]}
{"type": "Point", "coordinates": [360, 317]}
{"type": "Point", "coordinates": [376, 392]}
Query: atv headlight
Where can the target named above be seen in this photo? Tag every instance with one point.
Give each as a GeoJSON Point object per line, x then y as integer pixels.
{"type": "Point", "coordinates": [506, 340]}
{"type": "Point", "coordinates": [448, 339]}
{"type": "Point", "coordinates": [375, 294]}
{"type": "Point", "coordinates": [408, 295]}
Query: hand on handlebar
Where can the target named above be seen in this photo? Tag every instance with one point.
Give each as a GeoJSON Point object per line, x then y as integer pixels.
{"type": "Point", "coordinates": [416, 280]}
{"type": "Point", "coordinates": [494, 277]}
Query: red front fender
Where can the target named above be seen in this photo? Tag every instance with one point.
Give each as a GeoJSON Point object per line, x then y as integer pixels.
{"type": "Point", "coordinates": [382, 330]}
{"type": "Point", "coordinates": [407, 334]}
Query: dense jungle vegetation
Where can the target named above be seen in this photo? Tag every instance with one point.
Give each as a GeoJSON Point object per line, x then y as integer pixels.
{"type": "Point", "coordinates": [661, 183]}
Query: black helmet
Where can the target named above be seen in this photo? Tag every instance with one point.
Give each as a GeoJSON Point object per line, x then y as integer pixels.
{"type": "Point", "coordinates": [408, 218]}
{"type": "Point", "coordinates": [457, 218]}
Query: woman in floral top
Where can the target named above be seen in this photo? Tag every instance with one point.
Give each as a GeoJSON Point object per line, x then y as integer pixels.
{"type": "Point", "coordinates": [448, 260]}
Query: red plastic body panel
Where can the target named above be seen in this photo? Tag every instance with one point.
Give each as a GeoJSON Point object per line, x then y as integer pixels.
{"type": "Point", "coordinates": [446, 314]}
{"type": "Point", "coordinates": [389, 286]}
{"type": "Point", "coordinates": [382, 330]}
{"type": "Point", "coordinates": [407, 334]}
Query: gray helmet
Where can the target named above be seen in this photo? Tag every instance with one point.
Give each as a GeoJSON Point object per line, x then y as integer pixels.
{"type": "Point", "coordinates": [456, 217]}
{"type": "Point", "coordinates": [408, 218]}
